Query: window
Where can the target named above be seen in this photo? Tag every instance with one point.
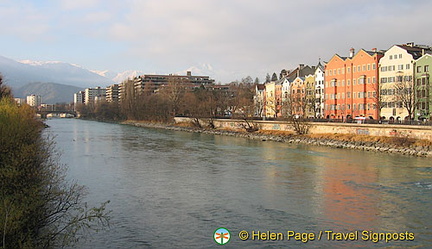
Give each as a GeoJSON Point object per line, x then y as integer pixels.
{"type": "Point", "coordinates": [373, 80]}
{"type": "Point", "coordinates": [368, 80]}
{"type": "Point", "coordinates": [343, 82]}
{"type": "Point", "coordinates": [400, 56]}
{"type": "Point", "coordinates": [338, 71]}
{"type": "Point", "coordinates": [418, 69]}
{"type": "Point", "coordinates": [384, 80]}
{"type": "Point", "coordinates": [426, 68]}
{"type": "Point", "coordinates": [374, 66]}
{"type": "Point", "coordinates": [348, 95]}
{"type": "Point", "coordinates": [354, 69]}
{"type": "Point", "coordinates": [348, 70]}
{"type": "Point", "coordinates": [354, 82]}
{"type": "Point", "coordinates": [383, 69]}
{"type": "Point", "coordinates": [358, 68]}
{"type": "Point", "coordinates": [334, 71]}
{"type": "Point", "coordinates": [364, 67]}
{"type": "Point", "coordinates": [407, 66]}
{"type": "Point", "coordinates": [391, 57]}
{"type": "Point", "coordinates": [348, 82]}
{"type": "Point", "coordinates": [368, 67]}
{"type": "Point", "coordinates": [400, 67]}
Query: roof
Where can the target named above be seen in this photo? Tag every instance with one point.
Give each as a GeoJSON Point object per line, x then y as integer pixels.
{"type": "Point", "coordinates": [415, 51]}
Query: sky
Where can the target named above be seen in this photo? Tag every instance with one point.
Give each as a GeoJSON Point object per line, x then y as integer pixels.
{"type": "Point", "coordinates": [228, 39]}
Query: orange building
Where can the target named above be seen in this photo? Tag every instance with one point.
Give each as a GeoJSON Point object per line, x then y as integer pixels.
{"type": "Point", "coordinates": [351, 85]}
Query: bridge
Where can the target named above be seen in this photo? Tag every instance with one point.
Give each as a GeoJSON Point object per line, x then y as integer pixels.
{"type": "Point", "coordinates": [44, 114]}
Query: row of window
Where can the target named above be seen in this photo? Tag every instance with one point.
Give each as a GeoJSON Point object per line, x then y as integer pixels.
{"type": "Point", "coordinates": [360, 95]}
{"type": "Point", "coordinates": [358, 68]}
{"type": "Point", "coordinates": [359, 107]}
{"type": "Point", "coordinates": [360, 81]}
{"type": "Point", "coordinates": [425, 69]}
{"type": "Point", "coordinates": [394, 57]}
{"type": "Point", "coordinates": [396, 79]}
{"type": "Point", "coordinates": [393, 67]}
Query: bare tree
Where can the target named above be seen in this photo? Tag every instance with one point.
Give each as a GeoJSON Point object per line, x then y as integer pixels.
{"type": "Point", "coordinates": [405, 95]}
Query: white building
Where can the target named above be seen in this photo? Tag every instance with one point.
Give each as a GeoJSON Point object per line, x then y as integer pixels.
{"type": "Point", "coordinates": [92, 93]}
{"type": "Point", "coordinates": [34, 100]}
{"type": "Point", "coordinates": [396, 70]}
{"type": "Point", "coordinates": [319, 90]}
{"type": "Point", "coordinates": [79, 97]}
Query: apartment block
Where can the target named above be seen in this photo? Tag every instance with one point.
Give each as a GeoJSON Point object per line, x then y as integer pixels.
{"type": "Point", "coordinates": [423, 87]}
{"type": "Point", "coordinates": [396, 70]}
{"type": "Point", "coordinates": [34, 100]}
{"type": "Point", "coordinates": [112, 93]}
{"type": "Point", "coordinates": [351, 85]}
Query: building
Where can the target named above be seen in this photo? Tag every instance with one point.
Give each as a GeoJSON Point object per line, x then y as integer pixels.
{"type": "Point", "coordinates": [152, 83]}
{"type": "Point", "coordinates": [112, 93]}
{"type": "Point", "coordinates": [93, 95]}
{"type": "Point", "coordinates": [351, 85]}
{"type": "Point", "coordinates": [259, 100]}
{"type": "Point", "coordinates": [298, 101]}
{"type": "Point", "coordinates": [309, 85]}
{"type": "Point", "coordinates": [20, 101]}
{"type": "Point", "coordinates": [319, 91]}
{"type": "Point", "coordinates": [34, 100]}
{"type": "Point", "coordinates": [423, 87]}
{"type": "Point", "coordinates": [396, 71]}
{"type": "Point", "coordinates": [79, 98]}
{"type": "Point", "coordinates": [270, 99]}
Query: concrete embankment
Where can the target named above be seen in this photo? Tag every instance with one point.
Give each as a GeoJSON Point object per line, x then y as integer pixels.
{"type": "Point", "coordinates": [421, 151]}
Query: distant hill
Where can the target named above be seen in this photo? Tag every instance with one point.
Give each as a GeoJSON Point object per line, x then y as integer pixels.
{"type": "Point", "coordinates": [51, 93]}
{"type": "Point", "coordinates": [20, 73]}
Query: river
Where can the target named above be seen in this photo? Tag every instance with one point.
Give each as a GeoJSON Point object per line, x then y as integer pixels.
{"type": "Point", "coordinates": [171, 189]}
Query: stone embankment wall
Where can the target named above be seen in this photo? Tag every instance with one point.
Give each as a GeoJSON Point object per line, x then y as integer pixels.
{"type": "Point", "coordinates": [408, 131]}
{"type": "Point", "coordinates": [226, 127]}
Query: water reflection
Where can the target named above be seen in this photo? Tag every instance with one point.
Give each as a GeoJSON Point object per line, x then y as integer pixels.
{"type": "Point", "coordinates": [162, 182]}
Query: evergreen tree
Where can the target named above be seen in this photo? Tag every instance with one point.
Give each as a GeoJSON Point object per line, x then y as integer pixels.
{"type": "Point", "coordinates": [274, 77]}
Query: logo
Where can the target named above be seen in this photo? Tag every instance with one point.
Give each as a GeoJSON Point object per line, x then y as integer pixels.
{"type": "Point", "coordinates": [221, 236]}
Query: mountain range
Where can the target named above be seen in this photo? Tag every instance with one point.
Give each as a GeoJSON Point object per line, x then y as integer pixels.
{"type": "Point", "coordinates": [54, 81]}
{"type": "Point", "coordinates": [57, 81]}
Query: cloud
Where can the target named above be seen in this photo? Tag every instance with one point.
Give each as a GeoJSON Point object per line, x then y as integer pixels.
{"type": "Point", "coordinates": [78, 4]}
{"type": "Point", "coordinates": [236, 37]}
{"type": "Point", "coordinates": [23, 21]}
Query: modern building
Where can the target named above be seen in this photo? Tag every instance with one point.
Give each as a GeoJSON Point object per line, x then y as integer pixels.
{"type": "Point", "coordinates": [34, 100]}
{"type": "Point", "coordinates": [94, 94]}
{"type": "Point", "coordinates": [152, 83]}
{"type": "Point", "coordinates": [396, 71]}
{"type": "Point", "coordinates": [20, 101]}
{"type": "Point", "coordinates": [351, 85]}
{"type": "Point", "coordinates": [79, 98]}
{"type": "Point", "coordinates": [423, 87]}
{"type": "Point", "coordinates": [112, 93]}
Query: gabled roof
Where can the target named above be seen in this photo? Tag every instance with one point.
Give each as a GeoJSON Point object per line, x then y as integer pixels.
{"type": "Point", "coordinates": [415, 51]}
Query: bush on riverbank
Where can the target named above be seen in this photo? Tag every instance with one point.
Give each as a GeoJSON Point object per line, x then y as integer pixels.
{"type": "Point", "coordinates": [38, 207]}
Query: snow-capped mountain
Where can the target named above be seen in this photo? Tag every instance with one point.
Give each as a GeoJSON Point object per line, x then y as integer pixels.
{"type": "Point", "coordinates": [19, 73]}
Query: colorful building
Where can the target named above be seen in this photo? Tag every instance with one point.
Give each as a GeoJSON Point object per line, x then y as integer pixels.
{"type": "Point", "coordinates": [423, 87]}
{"type": "Point", "coordinates": [396, 70]}
{"type": "Point", "coordinates": [351, 85]}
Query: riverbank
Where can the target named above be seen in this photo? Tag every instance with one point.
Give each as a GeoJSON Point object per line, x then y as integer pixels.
{"type": "Point", "coordinates": [396, 145]}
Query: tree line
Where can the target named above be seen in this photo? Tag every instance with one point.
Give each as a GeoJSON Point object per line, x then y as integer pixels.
{"type": "Point", "coordinates": [39, 208]}
{"type": "Point", "coordinates": [176, 98]}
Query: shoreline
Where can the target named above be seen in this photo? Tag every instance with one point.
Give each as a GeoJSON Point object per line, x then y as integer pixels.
{"type": "Point", "coordinates": [374, 146]}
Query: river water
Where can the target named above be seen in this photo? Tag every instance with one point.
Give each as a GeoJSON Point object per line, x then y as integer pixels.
{"type": "Point", "coordinates": [171, 189]}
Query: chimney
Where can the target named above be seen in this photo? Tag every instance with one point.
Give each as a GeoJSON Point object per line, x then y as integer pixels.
{"type": "Point", "coordinates": [352, 51]}
{"type": "Point", "coordinates": [374, 50]}
{"type": "Point", "coordinates": [189, 73]}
